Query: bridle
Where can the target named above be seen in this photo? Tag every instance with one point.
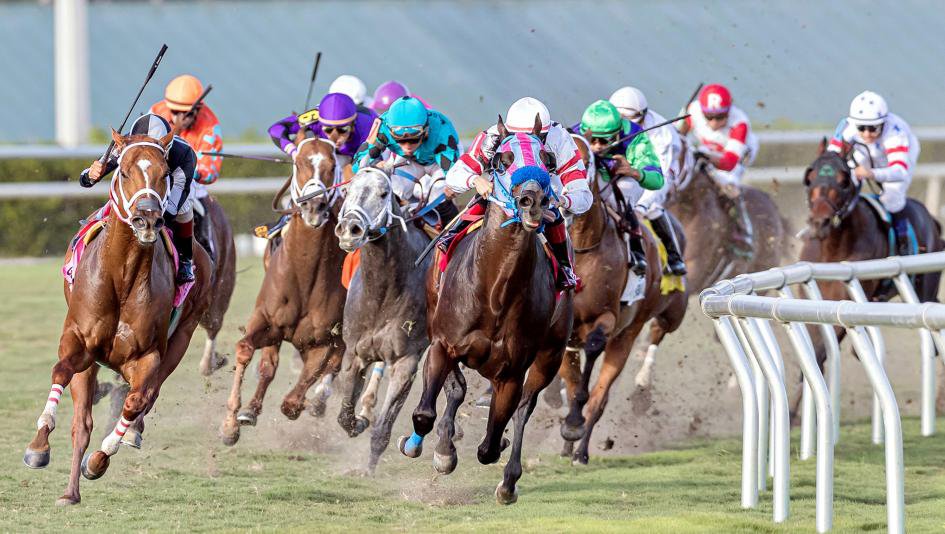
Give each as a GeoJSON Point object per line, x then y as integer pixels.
{"type": "Point", "coordinates": [376, 227]}
{"type": "Point", "coordinates": [850, 193]}
{"type": "Point", "coordinates": [315, 183]}
{"type": "Point", "coordinates": [508, 201]}
{"type": "Point", "coordinates": [117, 195]}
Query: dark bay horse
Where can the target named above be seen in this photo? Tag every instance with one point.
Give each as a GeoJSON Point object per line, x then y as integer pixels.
{"type": "Point", "coordinates": [496, 312]}
{"type": "Point", "coordinates": [708, 228]}
{"type": "Point", "coordinates": [386, 311]}
{"type": "Point", "coordinates": [843, 227]}
{"type": "Point", "coordinates": [301, 299]}
{"type": "Point", "coordinates": [223, 255]}
{"type": "Point", "coordinates": [601, 322]}
{"type": "Point", "coordinates": [119, 311]}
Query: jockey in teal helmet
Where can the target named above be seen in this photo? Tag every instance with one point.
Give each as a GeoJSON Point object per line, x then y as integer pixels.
{"type": "Point", "coordinates": [423, 143]}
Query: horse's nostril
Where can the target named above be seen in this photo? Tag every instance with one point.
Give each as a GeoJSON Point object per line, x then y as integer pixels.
{"type": "Point", "coordinates": [355, 229]}
{"type": "Point", "coordinates": [159, 223]}
{"type": "Point", "coordinates": [138, 222]}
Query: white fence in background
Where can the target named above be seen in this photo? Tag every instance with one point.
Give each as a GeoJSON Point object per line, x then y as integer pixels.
{"type": "Point", "coordinates": [742, 321]}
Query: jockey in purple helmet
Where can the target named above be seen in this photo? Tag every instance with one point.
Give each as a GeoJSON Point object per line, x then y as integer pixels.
{"type": "Point", "coordinates": [387, 92]}
{"type": "Point", "coordinates": [336, 119]}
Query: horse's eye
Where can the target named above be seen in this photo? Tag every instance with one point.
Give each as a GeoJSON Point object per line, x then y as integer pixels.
{"type": "Point", "coordinates": [384, 194]}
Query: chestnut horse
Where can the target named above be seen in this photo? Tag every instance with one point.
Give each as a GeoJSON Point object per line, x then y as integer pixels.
{"type": "Point", "coordinates": [301, 299]}
{"type": "Point", "coordinates": [707, 225]}
{"type": "Point", "coordinates": [496, 313]}
{"type": "Point", "coordinates": [119, 311]}
{"type": "Point", "coordinates": [602, 323]}
{"type": "Point", "coordinates": [843, 227]}
{"type": "Point", "coordinates": [386, 310]}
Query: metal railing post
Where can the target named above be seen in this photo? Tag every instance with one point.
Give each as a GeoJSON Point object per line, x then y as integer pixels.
{"type": "Point", "coordinates": [782, 425]}
{"type": "Point", "coordinates": [743, 373]}
{"type": "Point", "coordinates": [895, 498]}
{"type": "Point", "coordinates": [927, 408]}
{"type": "Point", "coordinates": [855, 291]}
{"type": "Point", "coordinates": [832, 365]}
{"type": "Point", "coordinates": [764, 448]}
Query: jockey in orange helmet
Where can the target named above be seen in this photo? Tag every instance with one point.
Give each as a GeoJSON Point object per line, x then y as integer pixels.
{"type": "Point", "coordinates": [201, 130]}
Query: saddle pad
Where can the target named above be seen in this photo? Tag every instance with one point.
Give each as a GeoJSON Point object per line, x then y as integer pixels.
{"type": "Point", "coordinates": [93, 229]}
{"type": "Point", "coordinates": [669, 282]}
{"type": "Point", "coordinates": [873, 201]}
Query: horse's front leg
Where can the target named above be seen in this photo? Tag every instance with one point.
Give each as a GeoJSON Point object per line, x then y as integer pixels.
{"type": "Point", "coordinates": [83, 389]}
{"type": "Point", "coordinates": [72, 359]}
{"type": "Point", "coordinates": [256, 331]}
{"type": "Point", "coordinates": [369, 398]}
{"type": "Point", "coordinates": [505, 398]}
{"type": "Point", "coordinates": [573, 427]}
{"type": "Point", "coordinates": [352, 383]}
{"type": "Point", "coordinates": [323, 390]}
{"type": "Point", "coordinates": [402, 374]}
{"type": "Point", "coordinates": [444, 456]}
{"type": "Point", "coordinates": [435, 371]}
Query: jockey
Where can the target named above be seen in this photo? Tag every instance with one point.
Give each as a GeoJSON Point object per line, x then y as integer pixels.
{"type": "Point", "coordinates": [179, 212]}
{"type": "Point", "coordinates": [425, 145]}
{"type": "Point", "coordinates": [632, 156]}
{"type": "Point", "coordinates": [387, 92]}
{"type": "Point", "coordinates": [893, 152]}
{"type": "Point", "coordinates": [353, 87]}
{"type": "Point", "coordinates": [569, 178]}
{"type": "Point", "coordinates": [723, 137]}
{"type": "Point", "coordinates": [669, 148]}
{"type": "Point", "coordinates": [200, 129]}
{"type": "Point", "coordinates": [336, 118]}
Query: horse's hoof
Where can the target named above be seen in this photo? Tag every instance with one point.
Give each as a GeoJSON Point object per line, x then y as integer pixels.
{"type": "Point", "coordinates": [230, 434]}
{"type": "Point", "coordinates": [218, 362]}
{"type": "Point", "coordinates": [444, 463]}
{"type": "Point", "coordinates": [36, 459]}
{"type": "Point", "coordinates": [317, 408]}
{"type": "Point", "coordinates": [95, 465]}
{"type": "Point", "coordinates": [579, 459]}
{"type": "Point", "coordinates": [504, 496]}
{"type": "Point", "coordinates": [458, 433]}
{"type": "Point", "coordinates": [504, 445]}
{"type": "Point", "coordinates": [132, 438]}
{"type": "Point", "coordinates": [572, 432]}
{"type": "Point", "coordinates": [66, 500]}
{"type": "Point", "coordinates": [360, 425]}
{"type": "Point", "coordinates": [408, 448]}
{"type": "Point", "coordinates": [246, 418]}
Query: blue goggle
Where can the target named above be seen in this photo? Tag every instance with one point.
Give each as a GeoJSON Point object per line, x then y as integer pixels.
{"type": "Point", "coordinates": [408, 132]}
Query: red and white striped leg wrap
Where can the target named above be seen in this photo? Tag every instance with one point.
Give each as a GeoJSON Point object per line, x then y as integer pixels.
{"type": "Point", "coordinates": [48, 417]}
{"type": "Point", "coordinates": [110, 444]}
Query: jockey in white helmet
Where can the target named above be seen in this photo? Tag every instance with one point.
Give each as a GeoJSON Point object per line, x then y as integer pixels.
{"type": "Point", "coordinates": [892, 154]}
{"type": "Point", "coordinates": [568, 178]}
{"type": "Point", "coordinates": [353, 87]}
{"type": "Point", "coordinates": [669, 148]}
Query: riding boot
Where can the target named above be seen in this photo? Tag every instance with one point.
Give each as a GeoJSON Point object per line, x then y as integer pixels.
{"type": "Point", "coordinates": [184, 243]}
{"type": "Point", "coordinates": [557, 235]}
{"type": "Point", "coordinates": [901, 228]}
{"type": "Point", "coordinates": [663, 227]}
{"type": "Point", "coordinates": [444, 242]}
{"type": "Point", "coordinates": [637, 251]}
{"type": "Point", "coordinates": [741, 226]}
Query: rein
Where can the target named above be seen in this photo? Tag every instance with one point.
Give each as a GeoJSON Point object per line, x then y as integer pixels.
{"type": "Point", "coordinates": [117, 189]}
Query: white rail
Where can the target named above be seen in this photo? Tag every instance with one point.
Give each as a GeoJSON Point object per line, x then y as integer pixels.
{"type": "Point", "coordinates": [742, 320]}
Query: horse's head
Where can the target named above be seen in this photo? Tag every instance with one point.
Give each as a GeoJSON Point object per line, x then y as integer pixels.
{"type": "Point", "coordinates": [313, 172]}
{"type": "Point", "coordinates": [368, 210]}
{"type": "Point", "coordinates": [141, 184]}
{"type": "Point", "coordinates": [832, 189]}
{"type": "Point", "coordinates": [522, 162]}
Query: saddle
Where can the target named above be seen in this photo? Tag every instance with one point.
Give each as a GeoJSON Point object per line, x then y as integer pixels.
{"type": "Point", "coordinates": [872, 200]}
{"type": "Point", "coordinates": [92, 228]}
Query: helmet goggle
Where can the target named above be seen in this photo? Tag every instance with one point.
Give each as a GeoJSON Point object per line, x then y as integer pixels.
{"type": "Point", "coordinates": [408, 133]}
{"type": "Point", "coordinates": [342, 129]}
{"type": "Point", "coordinates": [872, 128]}
{"type": "Point", "coordinates": [308, 117]}
{"type": "Point", "coordinates": [608, 137]}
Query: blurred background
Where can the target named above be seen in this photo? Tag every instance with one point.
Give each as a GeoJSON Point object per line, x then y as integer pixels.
{"type": "Point", "coordinates": [71, 68]}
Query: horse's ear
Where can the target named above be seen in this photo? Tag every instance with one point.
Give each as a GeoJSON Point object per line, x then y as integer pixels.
{"type": "Point", "coordinates": [500, 126]}
{"type": "Point", "coordinates": [118, 140]}
{"type": "Point", "coordinates": [299, 137]}
{"type": "Point", "coordinates": [822, 147]}
{"type": "Point", "coordinates": [536, 131]}
{"type": "Point", "coordinates": [807, 176]}
{"type": "Point", "coordinates": [845, 151]}
{"type": "Point", "coordinates": [549, 160]}
{"type": "Point", "coordinates": [167, 139]}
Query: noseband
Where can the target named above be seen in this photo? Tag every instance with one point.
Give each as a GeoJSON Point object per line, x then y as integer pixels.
{"type": "Point", "coordinates": [526, 148]}
{"type": "Point", "coordinates": [315, 184]}
{"type": "Point", "coordinates": [117, 191]}
{"type": "Point", "coordinates": [375, 227]}
{"type": "Point", "coordinates": [851, 192]}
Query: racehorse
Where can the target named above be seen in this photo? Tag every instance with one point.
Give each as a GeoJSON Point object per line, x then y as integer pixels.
{"type": "Point", "coordinates": [602, 323]}
{"type": "Point", "coordinates": [386, 311]}
{"type": "Point", "coordinates": [707, 225]}
{"type": "Point", "coordinates": [843, 227]}
{"type": "Point", "coordinates": [215, 234]}
{"type": "Point", "coordinates": [301, 299]}
{"type": "Point", "coordinates": [120, 307]}
{"type": "Point", "coordinates": [496, 311]}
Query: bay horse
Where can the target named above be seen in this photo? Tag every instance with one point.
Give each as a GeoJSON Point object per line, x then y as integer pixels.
{"type": "Point", "coordinates": [709, 256]}
{"type": "Point", "coordinates": [495, 310]}
{"type": "Point", "coordinates": [119, 311]}
{"type": "Point", "coordinates": [222, 252]}
{"type": "Point", "coordinates": [301, 299]}
{"type": "Point", "coordinates": [843, 227]}
{"type": "Point", "coordinates": [602, 323]}
{"type": "Point", "coordinates": [386, 311]}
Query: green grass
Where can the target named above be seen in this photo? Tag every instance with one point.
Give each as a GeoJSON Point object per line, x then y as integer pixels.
{"type": "Point", "coordinates": [184, 479]}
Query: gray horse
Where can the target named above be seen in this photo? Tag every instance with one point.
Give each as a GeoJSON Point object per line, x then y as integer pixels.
{"type": "Point", "coordinates": [385, 314]}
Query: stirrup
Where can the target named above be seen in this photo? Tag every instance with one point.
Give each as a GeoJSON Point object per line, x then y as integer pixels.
{"type": "Point", "coordinates": [566, 278]}
{"type": "Point", "coordinates": [637, 264]}
{"type": "Point", "coordinates": [185, 272]}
